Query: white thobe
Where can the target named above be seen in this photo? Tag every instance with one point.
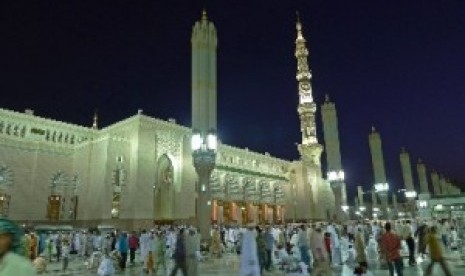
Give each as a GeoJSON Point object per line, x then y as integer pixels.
{"type": "Point", "coordinates": [249, 258]}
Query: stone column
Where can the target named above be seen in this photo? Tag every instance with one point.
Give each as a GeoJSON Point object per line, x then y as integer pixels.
{"type": "Point", "coordinates": [374, 204]}
{"type": "Point", "coordinates": [394, 201]}
{"type": "Point", "coordinates": [435, 181]}
{"type": "Point", "coordinates": [377, 160]}
{"type": "Point", "coordinates": [220, 214]}
{"type": "Point", "coordinates": [421, 170]}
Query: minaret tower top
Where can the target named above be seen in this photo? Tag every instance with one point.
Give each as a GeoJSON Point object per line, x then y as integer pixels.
{"type": "Point", "coordinates": [204, 45]}
{"type": "Point", "coordinates": [95, 120]}
{"type": "Point", "coordinates": [309, 148]}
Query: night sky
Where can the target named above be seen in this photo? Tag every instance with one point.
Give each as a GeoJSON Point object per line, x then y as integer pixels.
{"type": "Point", "coordinates": [398, 65]}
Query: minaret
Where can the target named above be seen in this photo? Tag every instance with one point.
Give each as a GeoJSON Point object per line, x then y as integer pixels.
{"type": "Point", "coordinates": [421, 170]}
{"type": "Point", "coordinates": [442, 184]}
{"type": "Point", "coordinates": [377, 159]}
{"type": "Point", "coordinates": [394, 202]}
{"type": "Point", "coordinates": [204, 139]}
{"type": "Point", "coordinates": [204, 44]}
{"type": "Point", "coordinates": [360, 195]}
{"type": "Point", "coordinates": [374, 204]}
{"type": "Point", "coordinates": [309, 149]}
{"type": "Point", "coordinates": [435, 181]}
{"type": "Point", "coordinates": [95, 120]}
{"type": "Point", "coordinates": [333, 154]}
{"type": "Point", "coordinates": [406, 170]}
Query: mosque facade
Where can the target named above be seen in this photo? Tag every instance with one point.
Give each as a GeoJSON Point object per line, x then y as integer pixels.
{"type": "Point", "coordinates": [139, 171]}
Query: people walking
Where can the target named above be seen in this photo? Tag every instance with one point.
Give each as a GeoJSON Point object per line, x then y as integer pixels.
{"type": "Point", "coordinates": [123, 246]}
{"type": "Point", "coordinates": [180, 254]}
{"type": "Point", "coordinates": [133, 245]}
{"type": "Point", "coordinates": [435, 249]}
{"type": "Point", "coordinates": [390, 245]}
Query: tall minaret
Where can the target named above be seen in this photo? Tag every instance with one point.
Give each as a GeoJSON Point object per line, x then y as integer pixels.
{"type": "Point", "coordinates": [442, 184]}
{"type": "Point", "coordinates": [406, 170]}
{"type": "Point", "coordinates": [204, 140]}
{"type": "Point", "coordinates": [309, 149]}
{"type": "Point", "coordinates": [360, 195]}
{"type": "Point", "coordinates": [421, 170]}
{"type": "Point", "coordinates": [333, 154]}
{"type": "Point", "coordinates": [95, 120]}
{"type": "Point", "coordinates": [435, 182]}
{"type": "Point", "coordinates": [204, 44]}
{"type": "Point", "coordinates": [377, 160]}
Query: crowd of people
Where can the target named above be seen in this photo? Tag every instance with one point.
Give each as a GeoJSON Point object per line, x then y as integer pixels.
{"type": "Point", "coordinates": [315, 248]}
{"type": "Point", "coordinates": [320, 248]}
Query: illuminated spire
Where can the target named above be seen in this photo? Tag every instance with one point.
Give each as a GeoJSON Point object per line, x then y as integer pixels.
{"type": "Point", "coordinates": [204, 15]}
{"type": "Point", "coordinates": [95, 122]}
{"type": "Point", "coordinates": [307, 107]}
{"type": "Point", "coordinates": [303, 72]}
{"type": "Point", "coordinates": [299, 28]}
{"type": "Point", "coordinates": [309, 149]}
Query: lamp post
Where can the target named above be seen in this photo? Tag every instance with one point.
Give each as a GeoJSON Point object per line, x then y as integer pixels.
{"type": "Point", "coordinates": [411, 195]}
{"type": "Point", "coordinates": [382, 190]}
{"type": "Point", "coordinates": [204, 148]}
{"type": "Point", "coordinates": [336, 180]}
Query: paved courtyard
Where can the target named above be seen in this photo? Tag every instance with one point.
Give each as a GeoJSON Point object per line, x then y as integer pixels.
{"type": "Point", "coordinates": [229, 265]}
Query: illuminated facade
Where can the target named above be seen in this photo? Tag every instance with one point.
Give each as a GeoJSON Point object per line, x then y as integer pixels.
{"type": "Point", "coordinates": [140, 170]}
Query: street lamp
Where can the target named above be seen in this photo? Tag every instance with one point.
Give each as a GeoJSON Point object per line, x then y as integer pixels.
{"type": "Point", "coordinates": [336, 176]}
{"type": "Point", "coordinates": [204, 147]}
{"type": "Point", "coordinates": [336, 180]}
{"type": "Point", "coordinates": [381, 187]}
{"type": "Point", "coordinates": [423, 204]}
{"type": "Point", "coordinates": [410, 194]}
{"type": "Point", "coordinates": [345, 208]}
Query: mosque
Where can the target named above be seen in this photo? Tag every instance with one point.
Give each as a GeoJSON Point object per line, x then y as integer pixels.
{"type": "Point", "coordinates": [140, 171]}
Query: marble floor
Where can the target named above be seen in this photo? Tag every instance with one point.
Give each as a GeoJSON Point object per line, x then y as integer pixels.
{"type": "Point", "coordinates": [229, 265]}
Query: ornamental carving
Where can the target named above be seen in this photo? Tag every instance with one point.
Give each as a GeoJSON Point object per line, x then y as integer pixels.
{"type": "Point", "coordinates": [215, 184]}
{"type": "Point", "coordinates": [233, 184]}
{"type": "Point", "coordinates": [169, 142]}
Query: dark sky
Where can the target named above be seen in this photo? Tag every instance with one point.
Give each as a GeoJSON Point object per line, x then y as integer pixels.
{"type": "Point", "coordinates": [399, 65]}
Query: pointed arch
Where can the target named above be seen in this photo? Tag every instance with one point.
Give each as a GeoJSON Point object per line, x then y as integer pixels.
{"type": "Point", "coordinates": [164, 189]}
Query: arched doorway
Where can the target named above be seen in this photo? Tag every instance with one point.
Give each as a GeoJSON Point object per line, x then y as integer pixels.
{"type": "Point", "coordinates": [164, 189]}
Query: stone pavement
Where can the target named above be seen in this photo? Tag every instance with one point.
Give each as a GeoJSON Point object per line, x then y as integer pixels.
{"type": "Point", "coordinates": [229, 266]}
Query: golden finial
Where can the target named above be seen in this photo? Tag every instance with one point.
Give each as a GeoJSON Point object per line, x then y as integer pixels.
{"type": "Point", "coordinates": [95, 122]}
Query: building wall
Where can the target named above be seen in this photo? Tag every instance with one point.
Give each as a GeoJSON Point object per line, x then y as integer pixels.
{"type": "Point", "coordinates": [140, 146]}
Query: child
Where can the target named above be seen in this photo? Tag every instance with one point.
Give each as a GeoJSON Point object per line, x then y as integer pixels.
{"type": "Point", "coordinates": [106, 267]}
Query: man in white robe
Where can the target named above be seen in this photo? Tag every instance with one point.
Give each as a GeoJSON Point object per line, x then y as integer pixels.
{"type": "Point", "coordinates": [249, 256]}
{"type": "Point", "coordinates": [144, 245]}
{"type": "Point", "coordinates": [336, 258]}
{"type": "Point", "coordinates": [372, 252]}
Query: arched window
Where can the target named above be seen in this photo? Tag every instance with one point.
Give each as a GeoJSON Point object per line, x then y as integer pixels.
{"type": "Point", "coordinates": [119, 180]}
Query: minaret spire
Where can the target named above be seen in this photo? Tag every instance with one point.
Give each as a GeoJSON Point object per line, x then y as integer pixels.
{"type": "Point", "coordinates": [306, 108]}
{"type": "Point", "coordinates": [95, 120]}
